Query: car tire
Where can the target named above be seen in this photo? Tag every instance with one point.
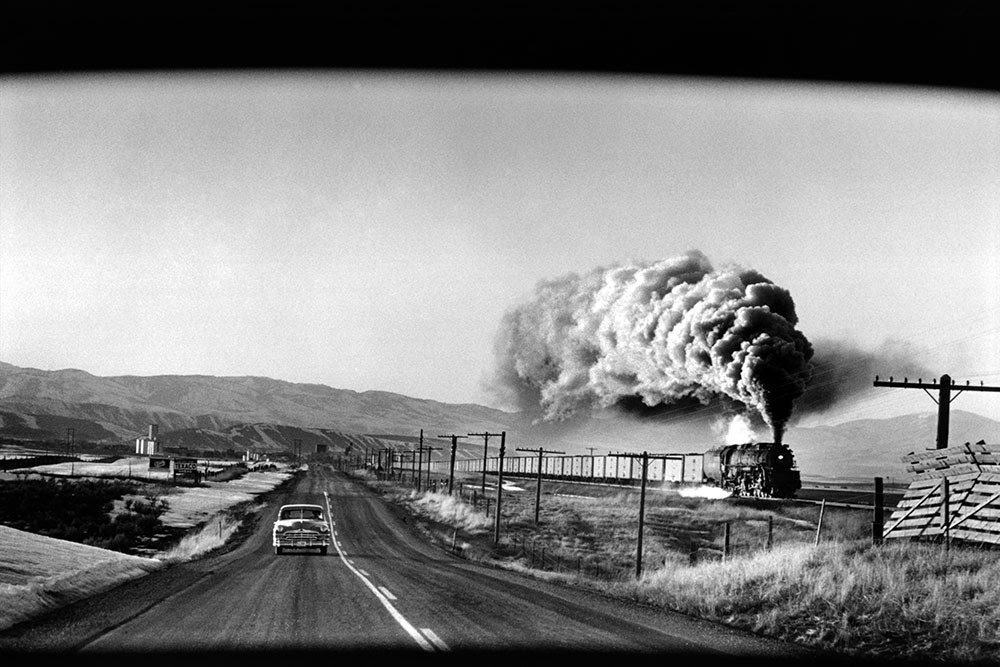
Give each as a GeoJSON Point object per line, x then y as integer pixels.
{"type": "Point", "coordinates": [277, 551]}
{"type": "Point", "coordinates": [322, 551]}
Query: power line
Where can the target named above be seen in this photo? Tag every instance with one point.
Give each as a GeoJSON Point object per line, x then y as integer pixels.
{"type": "Point", "coordinates": [944, 399]}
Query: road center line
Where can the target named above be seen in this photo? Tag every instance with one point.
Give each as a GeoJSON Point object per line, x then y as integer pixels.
{"type": "Point", "coordinates": [435, 639]}
{"type": "Point", "coordinates": [403, 623]}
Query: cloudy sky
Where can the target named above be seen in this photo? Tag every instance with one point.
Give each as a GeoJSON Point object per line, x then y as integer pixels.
{"type": "Point", "coordinates": [368, 230]}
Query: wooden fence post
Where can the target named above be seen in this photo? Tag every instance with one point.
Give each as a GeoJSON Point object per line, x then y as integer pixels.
{"type": "Point", "coordinates": [945, 513]}
{"type": "Point", "coordinates": [770, 531]}
{"type": "Point", "coordinates": [819, 524]}
{"type": "Point", "coordinates": [878, 521]}
{"type": "Point", "coordinates": [725, 541]}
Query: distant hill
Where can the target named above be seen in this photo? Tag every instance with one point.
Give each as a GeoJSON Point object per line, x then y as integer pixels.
{"type": "Point", "coordinates": [122, 407]}
{"type": "Point", "coordinates": [200, 412]}
{"type": "Point", "coordinates": [874, 447]}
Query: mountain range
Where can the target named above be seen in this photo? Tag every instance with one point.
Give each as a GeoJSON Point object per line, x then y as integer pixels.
{"type": "Point", "coordinates": [202, 412]}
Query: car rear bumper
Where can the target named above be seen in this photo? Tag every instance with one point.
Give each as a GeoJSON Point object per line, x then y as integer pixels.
{"type": "Point", "coordinates": [300, 541]}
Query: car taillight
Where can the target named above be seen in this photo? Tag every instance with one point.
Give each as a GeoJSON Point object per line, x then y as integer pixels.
{"type": "Point", "coordinates": [279, 529]}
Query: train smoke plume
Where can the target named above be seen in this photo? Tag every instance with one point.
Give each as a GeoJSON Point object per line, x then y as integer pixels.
{"type": "Point", "coordinates": [664, 333]}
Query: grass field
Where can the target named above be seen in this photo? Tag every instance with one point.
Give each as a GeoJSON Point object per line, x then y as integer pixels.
{"type": "Point", "coordinates": [898, 600]}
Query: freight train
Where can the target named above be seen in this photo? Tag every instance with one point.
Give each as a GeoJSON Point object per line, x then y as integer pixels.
{"type": "Point", "coordinates": [755, 469]}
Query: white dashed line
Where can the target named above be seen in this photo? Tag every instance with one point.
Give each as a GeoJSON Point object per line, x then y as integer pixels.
{"type": "Point", "coordinates": [435, 639]}
{"type": "Point", "coordinates": [403, 623]}
{"type": "Point", "coordinates": [385, 592]}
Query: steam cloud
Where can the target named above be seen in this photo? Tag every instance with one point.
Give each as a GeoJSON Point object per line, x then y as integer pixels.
{"type": "Point", "coordinates": [663, 333]}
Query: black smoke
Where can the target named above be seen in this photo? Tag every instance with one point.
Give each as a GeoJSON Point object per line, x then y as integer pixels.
{"type": "Point", "coordinates": [845, 370]}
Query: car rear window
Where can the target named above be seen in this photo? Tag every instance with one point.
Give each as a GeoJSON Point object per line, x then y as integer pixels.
{"type": "Point", "coordinates": [302, 513]}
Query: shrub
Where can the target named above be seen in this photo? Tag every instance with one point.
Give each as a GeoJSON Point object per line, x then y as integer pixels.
{"type": "Point", "coordinates": [79, 511]}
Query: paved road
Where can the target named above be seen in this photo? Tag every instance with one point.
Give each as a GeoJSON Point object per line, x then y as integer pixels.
{"type": "Point", "coordinates": [383, 587]}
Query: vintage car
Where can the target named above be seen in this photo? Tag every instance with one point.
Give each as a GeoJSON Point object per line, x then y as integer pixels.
{"type": "Point", "coordinates": [301, 527]}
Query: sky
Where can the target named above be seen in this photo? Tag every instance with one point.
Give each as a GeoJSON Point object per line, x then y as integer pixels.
{"type": "Point", "coordinates": [368, 230]}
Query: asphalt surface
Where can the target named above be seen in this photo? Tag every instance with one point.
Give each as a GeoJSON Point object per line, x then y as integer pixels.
{"type": "Point", "coordinates": [382, 589]}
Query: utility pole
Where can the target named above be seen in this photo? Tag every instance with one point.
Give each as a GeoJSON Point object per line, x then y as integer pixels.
{"type": "Point", "coordinates": [643, 459]}
{"type": "Point", "coordinates": [412, 457]}
{"type": "Point", "coordinates": [420, 458]}
{"type": "Point", "coordinates": [430, 451]}
{"type": "Point", "coordinates": [642, 508]}
{"type": "Point", "coordinates": [538, 481]}
{"type": "Point", "coordinates": [486, 447]}
{"type": "Point", "coordinates": [496, 527]}
{"type": "Point", "coordinates": [451, 469]}
{"type": "Point", "coordinates": [944, 399]}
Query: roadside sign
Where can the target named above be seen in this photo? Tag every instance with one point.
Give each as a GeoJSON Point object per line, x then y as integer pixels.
{"type": "Point", "coordinates": [159, 463]}
{"type": "Point", "coordinates": [185, 465]}
{"type": "Point", "coordinates": [186, 468]}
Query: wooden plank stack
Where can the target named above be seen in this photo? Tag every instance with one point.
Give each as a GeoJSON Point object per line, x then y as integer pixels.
{"type": "Point", "coordinates": [972, 472]}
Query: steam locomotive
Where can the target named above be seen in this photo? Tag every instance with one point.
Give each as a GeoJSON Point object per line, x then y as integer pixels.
{"type": "Point", "coordinates": [758, 469]}
{"type": "Point", "coordinates": [754, 469]}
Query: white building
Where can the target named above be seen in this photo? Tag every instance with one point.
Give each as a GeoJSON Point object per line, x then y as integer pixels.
{"type": "Point", "coordinates": [149, 444]}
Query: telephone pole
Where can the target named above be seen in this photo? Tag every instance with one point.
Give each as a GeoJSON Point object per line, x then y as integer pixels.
{"type": "Point", "coordinates": [944, 399]}
{"type": "Point", "coordinates": [420, 458]}
{"type": "Point", "coordinates": [496, 526]}
{"type": "Point", "coordinates": [486, 447]}
{"type": "Point", "coordinates": [538, 481]}
{"type": "Point", "coordinates": [430, 450]}
{"type": "Point", "coordinates": [451, 469]}
{"type": "Point", "coordinates": [644, 459]}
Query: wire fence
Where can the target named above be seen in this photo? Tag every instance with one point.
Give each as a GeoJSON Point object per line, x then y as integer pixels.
{"type": "Point", "coordinates": [670, 534]}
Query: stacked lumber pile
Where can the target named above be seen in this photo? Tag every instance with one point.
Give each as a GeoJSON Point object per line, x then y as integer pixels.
{"type": "Point", "coordinates": [970, 510]}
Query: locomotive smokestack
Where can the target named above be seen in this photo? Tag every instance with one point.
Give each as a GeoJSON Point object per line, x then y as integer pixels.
{"type": "Point", "coordinates": [660, 332]}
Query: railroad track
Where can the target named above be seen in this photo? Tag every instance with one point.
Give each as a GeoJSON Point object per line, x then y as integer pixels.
{"type": "Point", "coordinates": [847, 498]}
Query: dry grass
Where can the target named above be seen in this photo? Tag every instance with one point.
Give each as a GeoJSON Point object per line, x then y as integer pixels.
{"type": "Point", "coordinates": [898, 600]}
